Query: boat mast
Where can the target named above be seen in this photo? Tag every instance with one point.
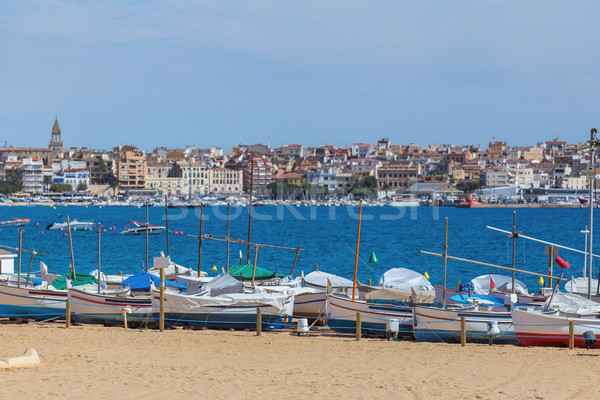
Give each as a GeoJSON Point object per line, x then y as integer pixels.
{"type": "Point", "coordinates": [356, 254]}
{"type": "Point", "coordinates": [99, 230]}
{"type": "Point", "coordinates": [250, 208]}
{"type": "Point", "coordinates": [20, 256]}
{"type": "Point", "coordinates": [228, 227]}
{"type": "Point", "coordinates": [592, 175]}
{"type": "Point", "coordinates": [167, 225]}
{"type": "Point", "coordinates": [71, 248]}
{"type": "Point", "coordinates": [585, 232]}
{"type": "Point", "coordinates": [445, 264]}
{"type": "Point", "coordinates": [146, 235]}
{"type": "Point", "coordinates": [200, 237]}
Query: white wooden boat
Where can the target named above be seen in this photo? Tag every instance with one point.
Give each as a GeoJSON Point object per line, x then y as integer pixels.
{"type": "Point", "coordinates": [543, 328]}
{"type": "Point", "coordinates": [227, 311]}
{"type": "Point", "coordinates": [31, 302]}
{"type": "Point", "coordinates": [139, 228]}
{"type": "Point", "coordinates": [15, 222]}
{"type": "Point", "coordinates": [341, 315]}
{"type": "Point", "coordinates": [109, 307]}
{"type": "Point", "coordinates": [434, 324]}
{"type": "Point", "coordinates": [75, 226]}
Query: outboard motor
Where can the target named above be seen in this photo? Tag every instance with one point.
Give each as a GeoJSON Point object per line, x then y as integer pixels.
{"type": "Point", "coordinates": [49, 226]}
{"type": "Point", "coordinates": [589, 339]}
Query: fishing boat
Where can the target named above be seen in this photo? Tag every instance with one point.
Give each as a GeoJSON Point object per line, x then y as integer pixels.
{"type": "Point", "coordinates": [375, 314]}
{"type": "Point", "coordinates": [140, 228]}
{"type": "Point", "coordinates": [39, 301]}
{"type": "Point", "coordinates": [75, 226]}
{"type": "Point", "coordinates": [111, 308]}
{"type": "Point", "coordinates": [15, 222]}
{"type": "Point", "coordinates": [437, 324]}
{"type": "Point", "coordinates": [226, 311]}
{"type": "Point", "coordinates": [550, 326]}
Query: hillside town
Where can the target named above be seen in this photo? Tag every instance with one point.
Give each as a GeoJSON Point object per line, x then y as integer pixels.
{"type": "Point", "coordinates": [552, 171]}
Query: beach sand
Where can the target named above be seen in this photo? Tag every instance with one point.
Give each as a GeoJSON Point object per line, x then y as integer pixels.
{"type": "Point", "coordinates": [110, 362]}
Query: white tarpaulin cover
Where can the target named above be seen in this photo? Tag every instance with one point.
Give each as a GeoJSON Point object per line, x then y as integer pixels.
{"type": "Point", "coordinates": [482, 284]}
{"type": "Point", "coordinates": [223, 284]}
{"type": "Point", "coordinates": [192, 282]}
{"type": "Point", "coordinates": [580, 285]}
{"type": "Point", "coordinates": [404, 279]}
{"type": "Point", "coordinates": [319, 279]}
{"type": "Point", "coordinates": [573, 303]}
{"type": "Point", "coordinates": [206, 303]}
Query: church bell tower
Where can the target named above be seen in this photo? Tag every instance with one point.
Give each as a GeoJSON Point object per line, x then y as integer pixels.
{"type": "Point", "coordinates": [56, 144]}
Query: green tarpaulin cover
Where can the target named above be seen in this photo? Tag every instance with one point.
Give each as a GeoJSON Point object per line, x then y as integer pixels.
{"type": "Point", "coordinates": [244, 272]}
{"type": "Point", "coordinates": [60, 283]}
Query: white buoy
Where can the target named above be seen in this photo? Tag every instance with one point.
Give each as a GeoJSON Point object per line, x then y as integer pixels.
{"type": "Point", "coordinates": [302, 326]}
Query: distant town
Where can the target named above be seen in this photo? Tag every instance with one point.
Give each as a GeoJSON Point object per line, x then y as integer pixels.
{"type": "Point", "coordinates": [551, 172]}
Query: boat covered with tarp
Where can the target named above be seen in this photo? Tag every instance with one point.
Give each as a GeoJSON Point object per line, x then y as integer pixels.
{"type": "Point", "coordinates": [244, 272]}
{"type": "Point", "coordinates": [143, 281]}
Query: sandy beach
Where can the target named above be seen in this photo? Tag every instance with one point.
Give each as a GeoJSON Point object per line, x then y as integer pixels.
{"type": "Point", "coordinates": [101, 362]}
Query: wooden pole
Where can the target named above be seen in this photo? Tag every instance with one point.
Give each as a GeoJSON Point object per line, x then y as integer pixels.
{"type": "Point", "coordinates": [356, 254]}
{"type": "Point", "coordinates": [258, 321]}
{"type": "Point", "coordinates": [463, 331]}
{"type": "Point", "coordinates": [29, 270]}
{"type": "Point", "coordinates": [254, 267]}
{"type": "Point", "coordinates": [200, 238]}
{"type": "Point", "coordinates": [514, 240]}
{"type": "Point", "coordinates": [445, 263]}
{"type": "Point", "coordinates": [368, 282]}
{"type": "Point", "coordinates": [68, 313]}
{"type": "Point", "coordinates": [161, 319]}
{"type": "Point", "coordinates": [228, 228]}
{"type": "Point", "coordinates": [551, 256]}
{"type": "Point", "coordinates": [147, 236]}
{"type": "Point", "coordinates": [25, 251]}
{"type": "Point", "coordinates": [71, 248]}
{"type": "Point", "coordinates": [124, 312]}
{"type": "Point", "coordinates": [20, 257]}
{"type": "Point", "coordinates": [358, 326]}
{"type": "Point", "coordinates": [167, 224]}
{"type": "Point", "coordinates": [316, 267]}
{"type": "Point", "coordinates": [295, 261]}
{"type": "Point", "coordinates": [99, 255]}
{"type": "Point", "coordinates": [485, 264]}
{"type": "Point", "coordinates": [571, 335]}
{"type": "Point", "coordinates": [250, 207]}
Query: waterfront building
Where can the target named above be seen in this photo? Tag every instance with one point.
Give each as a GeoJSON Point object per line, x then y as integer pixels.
{"type": "Point", "coordinates": [223, 180]}
{"type": "Point", "coordinates": [397, 175]}
{"type": "Point", "coordinates": [33, 176]}
{"type": "Point", "coordinates": [132, 170]}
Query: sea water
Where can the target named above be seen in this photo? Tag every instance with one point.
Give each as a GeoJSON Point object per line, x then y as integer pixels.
{"type": "Point", "coordinates": [327, 236]}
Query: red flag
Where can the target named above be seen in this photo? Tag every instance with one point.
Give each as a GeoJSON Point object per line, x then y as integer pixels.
{"type": "Point", "coordinates": [492, 284]}
{"type": "Point", "coordinates": [561, 263]}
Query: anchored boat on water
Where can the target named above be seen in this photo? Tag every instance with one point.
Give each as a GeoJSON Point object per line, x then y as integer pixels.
{"type": "Point", "coordinates": [140, 228]}
{"type": "Point", "coordinates": [15, 222]}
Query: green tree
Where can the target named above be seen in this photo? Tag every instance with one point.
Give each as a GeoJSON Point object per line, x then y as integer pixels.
{"type": "Point", "coordinates": [468, 186]}
{"type": "Point", "coordinates": [368, 182]}
{"type": "Point", "coordinates": [101, 164]}
{"type": "Point", "coordinates": [7, 187]}
{"type": "Point", "coordinates": [82, 187]}
{"type": "Point", "coordinates": [114, 185]}
{"type": "Point", "coordinates": [47, 182]}
{"type": "Point", "coordinates": [61, 187]}
{"type": "Point", "coordinates": [15, 177]}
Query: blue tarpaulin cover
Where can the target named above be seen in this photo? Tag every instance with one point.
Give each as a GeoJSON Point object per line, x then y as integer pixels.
{"type": "Point", "coordinates": [142, 282]}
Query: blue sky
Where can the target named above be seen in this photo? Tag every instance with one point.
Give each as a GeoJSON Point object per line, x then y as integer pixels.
{"type": "Point", "coordinates": [310, 72]}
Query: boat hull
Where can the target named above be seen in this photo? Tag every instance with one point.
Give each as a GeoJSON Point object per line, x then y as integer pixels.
{"type": "Point", "coordinates": [534, 328]}
{"type": "Point", "coordinates": [28, 302]}
{"type": "Point", "coordinates": [341, 314]}
{"type": "Point", "coordinates": [93, 308]}
{"type": "Point", "coordinates": [312, 305]}
{"type": "Point", "coordinates": [207, 312]}
{"type": "Point", "coordinates": [434, 324]}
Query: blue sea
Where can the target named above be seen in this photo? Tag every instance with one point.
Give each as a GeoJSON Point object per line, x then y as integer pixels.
{"type": "Point", "coordinates": [327, 236]}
